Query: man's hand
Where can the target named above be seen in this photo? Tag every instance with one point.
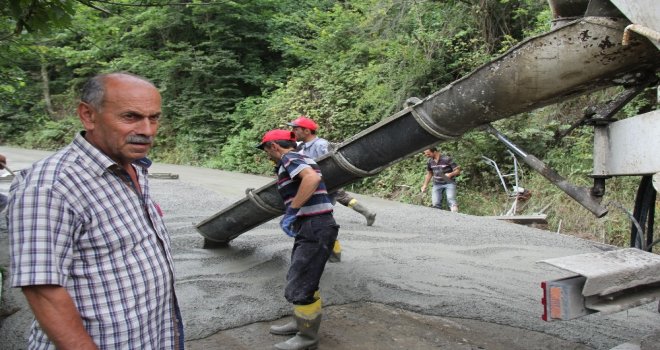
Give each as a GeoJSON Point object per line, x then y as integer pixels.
{"type": "Point", "coordinates": [286, 223]}
{"type": "Point", "coordinates": [427, 179]}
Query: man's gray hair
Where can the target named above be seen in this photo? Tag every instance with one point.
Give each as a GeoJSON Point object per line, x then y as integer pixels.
{"type": "Point", "coordinates": [93, 91]}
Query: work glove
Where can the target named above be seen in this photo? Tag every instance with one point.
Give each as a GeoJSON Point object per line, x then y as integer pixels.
{"type": "Point", "coordinates": [286, 223]}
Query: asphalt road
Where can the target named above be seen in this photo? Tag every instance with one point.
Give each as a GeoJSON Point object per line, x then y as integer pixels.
{"type": "Point", "coordinates": [419, 278]}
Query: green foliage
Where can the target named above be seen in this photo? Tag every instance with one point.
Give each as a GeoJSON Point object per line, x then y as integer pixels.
{"type": "Point", "coordinates": [35, 16]}
{"type": "Point", "coordinates": [229, 71]}
{"type": "Point", "coordinates": [52, 134]}
{"type": "Point", "coordinates": [642, 103]}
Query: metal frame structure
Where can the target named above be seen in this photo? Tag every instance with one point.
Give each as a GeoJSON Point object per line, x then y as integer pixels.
{"type": "Point", "coordinates": [515, 191]}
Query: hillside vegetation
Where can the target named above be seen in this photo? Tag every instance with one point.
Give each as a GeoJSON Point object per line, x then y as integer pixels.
{"type": "Point", "coordinates": [230, 70]}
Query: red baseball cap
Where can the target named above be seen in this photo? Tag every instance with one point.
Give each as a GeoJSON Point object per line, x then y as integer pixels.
{"type": "Point", "coordinates": [277, 134]}
{"type": "Point", "coordinates": [304, 122]}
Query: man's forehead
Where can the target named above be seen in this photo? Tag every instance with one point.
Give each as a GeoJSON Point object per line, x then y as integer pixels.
{"type": "Point", "coordinates": [132, 92]}
{"type": "Point", "coordinates": [122, 82]}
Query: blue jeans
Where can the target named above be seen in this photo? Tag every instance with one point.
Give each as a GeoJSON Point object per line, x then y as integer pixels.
{"type": "Point", "coordinates": [436, 195]}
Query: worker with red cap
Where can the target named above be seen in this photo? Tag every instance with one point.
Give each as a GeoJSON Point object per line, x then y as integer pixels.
{"type": "Point", "coordinates": [315, 147]}
{"type": "Point", "coordinates": [308, 218]}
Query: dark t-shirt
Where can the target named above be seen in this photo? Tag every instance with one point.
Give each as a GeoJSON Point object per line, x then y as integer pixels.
{"type": "Point", "coordinates": [443, 166]}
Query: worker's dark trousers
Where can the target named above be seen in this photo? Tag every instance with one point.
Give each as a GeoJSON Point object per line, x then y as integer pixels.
{"type": "Point", "coordinates": [311, 249]}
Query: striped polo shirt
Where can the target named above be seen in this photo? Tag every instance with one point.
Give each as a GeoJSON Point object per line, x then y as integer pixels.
{"type": "Point", "coordinates": [288, 168]}
{"type": "Point", "coordinates": [439, 168]}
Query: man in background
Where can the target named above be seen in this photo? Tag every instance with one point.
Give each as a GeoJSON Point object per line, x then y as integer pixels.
{"type": "Point", "coordinates": [315, 147]}
{"type": "Point", "coordinates": [442, 169]}
{"type": "Point", "coordinates": [308, 218]}
{"type": "Point", "coordinates": [88, 244]}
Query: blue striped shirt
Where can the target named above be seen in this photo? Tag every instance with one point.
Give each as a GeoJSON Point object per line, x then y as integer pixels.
{"type": "Point", "coordinates": [288, 183]}
{"type": "Point", "coordinates": [75, 221]}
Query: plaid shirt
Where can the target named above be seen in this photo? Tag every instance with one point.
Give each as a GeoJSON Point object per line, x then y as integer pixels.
{"type": "Point", "coordinates": [75, 220]}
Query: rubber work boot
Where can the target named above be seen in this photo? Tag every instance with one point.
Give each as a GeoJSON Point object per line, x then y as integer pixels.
{"type": "Point", "coordinates": [371, 217]}
{"type": "Point", "coordinates": [335, 255]}
{"type": "Point", "coordinates": [308, 319]}
{"type": "Point", "coordinates": [290, 328]}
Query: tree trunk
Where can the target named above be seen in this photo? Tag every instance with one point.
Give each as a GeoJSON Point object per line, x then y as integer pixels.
{"type": "Point", "coordinates": [46, 89]}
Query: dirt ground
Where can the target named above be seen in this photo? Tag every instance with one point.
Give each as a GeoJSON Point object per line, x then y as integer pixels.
{"type": "Point", "coordinates": [372, 326]}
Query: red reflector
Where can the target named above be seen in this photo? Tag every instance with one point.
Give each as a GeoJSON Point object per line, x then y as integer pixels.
{"type": "Point", "coordinates": [544, 317]}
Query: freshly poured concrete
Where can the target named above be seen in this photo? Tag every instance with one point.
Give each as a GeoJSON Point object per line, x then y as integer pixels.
{"type": "Point", "coordinates": [417, 279]}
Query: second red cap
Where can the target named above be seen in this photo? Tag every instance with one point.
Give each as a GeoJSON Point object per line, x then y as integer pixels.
{"type": "Point", "coordinates": [304, 122]}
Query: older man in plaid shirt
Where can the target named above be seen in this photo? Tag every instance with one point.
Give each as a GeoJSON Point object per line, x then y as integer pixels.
{"type": "Point", "coordinates": [88, 244]}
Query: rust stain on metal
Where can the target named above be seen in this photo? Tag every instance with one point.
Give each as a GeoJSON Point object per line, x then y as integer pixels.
{"type": "Point", "coordinates": [606, 43]}
{"type": "Point", "coordinates": [584, 35]}
{"type": "Point", "coordinates": [555, 298]}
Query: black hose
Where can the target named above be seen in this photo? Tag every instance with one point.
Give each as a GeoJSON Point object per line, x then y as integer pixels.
{"type": "Point", "coordinates": [644, 214]}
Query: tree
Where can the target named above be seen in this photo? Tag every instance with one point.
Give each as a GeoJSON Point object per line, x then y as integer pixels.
{"type": "Point", "coordinates": [35, 16]}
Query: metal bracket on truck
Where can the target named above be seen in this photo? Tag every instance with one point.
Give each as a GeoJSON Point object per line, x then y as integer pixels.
{"type": "Point", "coordinates": [607, 282]}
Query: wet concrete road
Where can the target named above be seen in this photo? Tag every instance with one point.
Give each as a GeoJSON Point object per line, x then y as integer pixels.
{"type": "Point", "coordinates": [418, 279]}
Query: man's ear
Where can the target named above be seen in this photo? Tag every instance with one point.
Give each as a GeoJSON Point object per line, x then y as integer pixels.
{"type": "Point", "coordinates": [87, 115]}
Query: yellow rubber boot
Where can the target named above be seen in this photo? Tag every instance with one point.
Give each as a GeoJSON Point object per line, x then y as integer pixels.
{"type": "Point", "coordinates": [371, 217]}
{"type": "Point", "coordinates": [335, 256]}
{"type": "Point", "coordinates": [290, 328]}
{"type": "Point", "coordinates": [308, 320]}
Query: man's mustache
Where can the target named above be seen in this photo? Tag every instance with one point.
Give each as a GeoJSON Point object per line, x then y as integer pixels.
{"type": "Point", "coordinates": [140, 139]}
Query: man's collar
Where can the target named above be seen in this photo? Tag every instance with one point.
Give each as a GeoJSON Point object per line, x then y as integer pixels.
{"type": "Point", "coordinates": [309, 143]}
{"type": "Point", "coordinates": [143, 162]}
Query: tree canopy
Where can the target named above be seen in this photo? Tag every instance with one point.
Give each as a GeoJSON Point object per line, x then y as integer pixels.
{"type": "Point", "coordinates": [230, 70]}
